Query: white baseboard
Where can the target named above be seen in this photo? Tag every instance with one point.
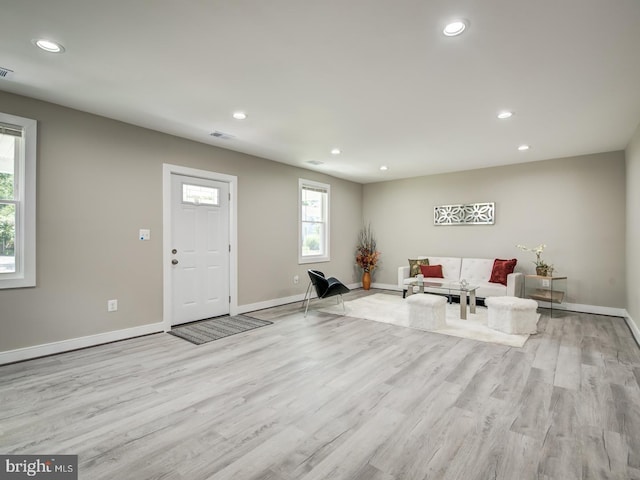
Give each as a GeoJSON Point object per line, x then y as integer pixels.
{"type": "Point", "coordinates": [635, 331]}
{"type": "Point", "coordinates": [36, 351]}
{"type": "Point", "coordinates": [276, 302]}
{"type": "Point", "coordinates": [582, 308]}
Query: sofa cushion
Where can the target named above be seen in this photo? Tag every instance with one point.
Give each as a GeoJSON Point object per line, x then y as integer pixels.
{"type": "Point", "coordinates": [450, 266]}
{"type": "Point", "coordinates": [431, 271]}
{"type": "Point", "coordinates": [486, 289]}
{"type": "Point", "coordinates": [414, 265]}
{"type": "Point", "coordinates": [476, 270]}
{"type": "Point", "coordinates": [502, 268]}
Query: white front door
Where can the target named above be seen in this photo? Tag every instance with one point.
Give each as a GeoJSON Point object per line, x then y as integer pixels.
{"type": "Point", "coordinates": [199, 248]}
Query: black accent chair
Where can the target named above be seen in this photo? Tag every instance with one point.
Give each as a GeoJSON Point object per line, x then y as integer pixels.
{"type": "Point", "coordinates": [325, 288]}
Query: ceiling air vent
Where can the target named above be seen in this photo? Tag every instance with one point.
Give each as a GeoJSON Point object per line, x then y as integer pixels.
{"type": "Point", "coordinates": [315, 162]}
{"type": "Point", "coordinates": [222, 135]}
{"type": "Point", "coordinates": [5, 72]}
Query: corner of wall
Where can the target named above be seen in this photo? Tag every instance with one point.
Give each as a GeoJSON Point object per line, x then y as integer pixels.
{"type": "Point", "coordinates": [633, 326]}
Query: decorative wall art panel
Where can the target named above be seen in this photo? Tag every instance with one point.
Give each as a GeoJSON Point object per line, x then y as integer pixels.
{"type": "Point", "coordinates": [470, 214]}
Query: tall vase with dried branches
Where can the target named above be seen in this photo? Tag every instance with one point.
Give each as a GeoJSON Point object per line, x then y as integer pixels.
{"type": "Point", "coordinates": [367, 255]}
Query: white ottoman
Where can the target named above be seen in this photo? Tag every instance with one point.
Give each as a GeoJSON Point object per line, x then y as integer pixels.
{"type": "Point", "coordinates": [427, 312]}
{"type": "Point", "coordinates": [512, 314]}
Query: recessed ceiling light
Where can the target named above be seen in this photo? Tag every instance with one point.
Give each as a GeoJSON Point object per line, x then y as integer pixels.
{"type": "Point", "coordinates": [505, 114]}
{"type": "Point", "coordinates": [336, 151]}
{"type": "Point", "coordinates": [455, 28]}
{"type": "Point", "coordinates": [384, 168]}
{"type": "Point", "coordinates": [239, 115]}
{"type": "Point", "coordinates": [522, 148]}
{"type": "Point", "coordinates": [48, 45]}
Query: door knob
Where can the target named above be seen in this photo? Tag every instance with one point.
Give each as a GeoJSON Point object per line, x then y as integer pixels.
{"type": "Point", "coordinates": [174, 262]}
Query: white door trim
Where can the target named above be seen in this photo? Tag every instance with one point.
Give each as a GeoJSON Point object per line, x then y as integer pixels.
{"type": "Point", "coordinates": [167, 171]}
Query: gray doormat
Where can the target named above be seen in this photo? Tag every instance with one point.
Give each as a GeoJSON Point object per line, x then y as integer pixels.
{"type": "Point", "coordinates": [212, 329]}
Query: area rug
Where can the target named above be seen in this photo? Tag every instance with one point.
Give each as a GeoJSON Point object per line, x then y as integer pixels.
{"type": "Point", "coordinates": [394, 309]}
{"type": "Point", "coordinates": [212, 329]}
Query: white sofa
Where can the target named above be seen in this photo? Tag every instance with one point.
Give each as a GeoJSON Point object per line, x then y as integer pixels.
{"type": "Point", "coordinates": [476, 271]}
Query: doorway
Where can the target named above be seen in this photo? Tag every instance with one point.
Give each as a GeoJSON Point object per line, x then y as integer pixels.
{"type": "Point", "coordinates": [199, 242]}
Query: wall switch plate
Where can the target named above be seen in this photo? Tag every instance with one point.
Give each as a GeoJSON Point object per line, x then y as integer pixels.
{"type": "Point", "coordinates": [112, 305]}
{"type": "Point", "coordinates": [296, 279]}
{"type": "Point", "coordinates": [145, 234]}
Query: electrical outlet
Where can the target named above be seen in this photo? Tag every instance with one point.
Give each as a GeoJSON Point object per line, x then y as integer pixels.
{"type": "Point", "coordinates": [545, 283]}
{"type": "Point", "coordinates": [112, 305]}
{"type": "Point", "coordinates": [296, 279]}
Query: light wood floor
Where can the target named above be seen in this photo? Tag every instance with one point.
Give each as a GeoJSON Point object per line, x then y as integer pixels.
{"type": "Point", "coordinates": [331, 397]}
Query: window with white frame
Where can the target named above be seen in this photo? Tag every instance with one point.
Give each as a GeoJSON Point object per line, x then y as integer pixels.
{"type": "Point", "coordinates": [17, 201]}
{"type": "Point", "coordinates": [313, 206]}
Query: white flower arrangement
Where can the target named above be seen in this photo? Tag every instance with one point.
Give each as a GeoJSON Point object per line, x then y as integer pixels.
{"type": "Point", "coordinates": [538, 251]}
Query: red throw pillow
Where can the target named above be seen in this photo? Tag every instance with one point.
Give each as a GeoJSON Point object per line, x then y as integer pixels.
{"type": "Point", "coordinates": [502, 268]}
{"type": "Point", "coordinates": [432, 271]}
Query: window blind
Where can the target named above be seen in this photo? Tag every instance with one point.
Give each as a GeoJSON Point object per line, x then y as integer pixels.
{"type": "Point", "coordinates": [12, 130]}
{"type": "Point", "coordinates": [314, 189]}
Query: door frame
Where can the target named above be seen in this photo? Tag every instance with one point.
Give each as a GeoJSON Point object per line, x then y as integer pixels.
{"type": "Point", "coordinates": [232, 180]}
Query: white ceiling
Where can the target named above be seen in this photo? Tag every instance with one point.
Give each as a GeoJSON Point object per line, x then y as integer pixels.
{"type": "Point", "coordinates": [375, 78]}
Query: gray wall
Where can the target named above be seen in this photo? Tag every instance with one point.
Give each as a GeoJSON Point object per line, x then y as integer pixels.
{"type": "Point", "coordinates": [574, 205]}
{"type": "Point", "coordinates": [633, 227]}
{"type": "Point", "coordinates": [99, 181]}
